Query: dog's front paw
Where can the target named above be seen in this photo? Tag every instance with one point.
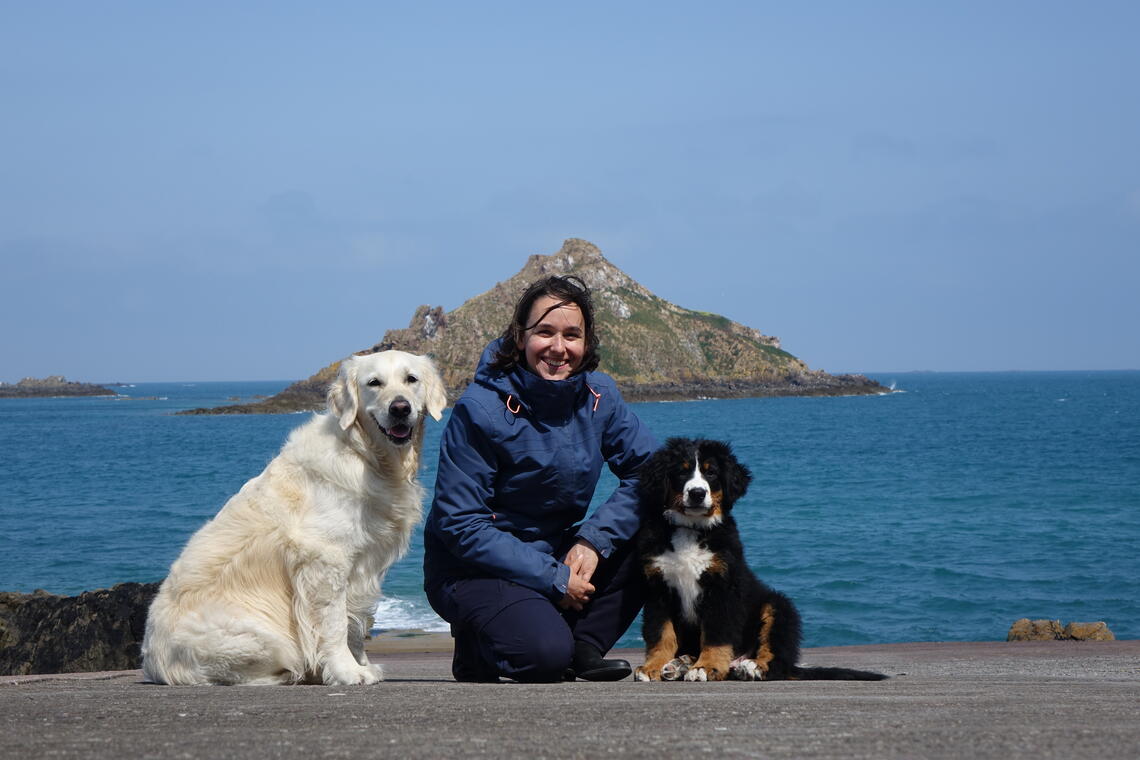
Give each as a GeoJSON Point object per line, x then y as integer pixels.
{"type": "Point", "coordinates": [675, 670]}
{"type": "Point", "coordinates": [746, 669]}
{"type": "Point", "coordinates": [371, 674]}
{"type": "Point", "coordinates": [705, 674]}
{"type": "Point", "coordinates": [351, 674]}
{"type": "Point", "coordinates": [641, 673]}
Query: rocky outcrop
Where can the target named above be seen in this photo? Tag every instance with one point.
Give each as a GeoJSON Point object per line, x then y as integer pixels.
{"type": "Point", "coordinates": [97, 630]}
{"type": "Point", "coordinates": [808, 383]}
{"type": "Point", "coordinates": [654, 349]}
{"type": "Point", "coordinates": [50, 387]}
{"type": "Point", "coordinates": [1034, 630]}
{"type": "Point", "coordinates": [303, 396]}
{"type": "Point", "coordinates": [1052, 630]}
{"type": "Point", "coordinates": [1097, 631]}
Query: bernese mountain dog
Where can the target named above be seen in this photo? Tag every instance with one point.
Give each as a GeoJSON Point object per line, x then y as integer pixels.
{"type": "Point", "coordinates": [707, 616]}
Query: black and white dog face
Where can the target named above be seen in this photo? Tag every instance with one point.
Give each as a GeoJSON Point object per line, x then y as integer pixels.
{"type": "Point", "coordinates": [695, 481]}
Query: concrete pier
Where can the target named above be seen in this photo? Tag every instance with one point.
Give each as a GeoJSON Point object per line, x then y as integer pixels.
{"type": "Point", "coordinates": [946, 700]}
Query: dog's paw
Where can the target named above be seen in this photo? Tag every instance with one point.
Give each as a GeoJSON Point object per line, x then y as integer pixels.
{"type": "Point", "coordinates": [371, 674]}
{"type": "Point", "coordinates": [352, 674]}
{"type": "Point", "coordinates": [705, 674]}
{"type": "Point", "coordinates": [641, 674]}
{"type": "Point", "coordinates": [675, 670]}
{"type": "Point", "coordinates": [746, 669]}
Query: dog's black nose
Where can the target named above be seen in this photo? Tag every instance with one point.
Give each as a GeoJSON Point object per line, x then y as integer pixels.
{"type": "Point", "coordinates": [400, 408]}
{"type": "Point", "coordinates": [696, 494]}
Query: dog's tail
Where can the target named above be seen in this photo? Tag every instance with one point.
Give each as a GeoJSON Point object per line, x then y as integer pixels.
{"type": "Point", "coordinates": [834, 674]}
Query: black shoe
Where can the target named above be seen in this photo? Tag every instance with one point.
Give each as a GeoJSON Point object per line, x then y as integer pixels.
{"type": "Point", "coordinates": [589, 665]}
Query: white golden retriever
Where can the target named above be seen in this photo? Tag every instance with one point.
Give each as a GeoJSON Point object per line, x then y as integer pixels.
{"type": "Point", "coordinates": [276, 588]}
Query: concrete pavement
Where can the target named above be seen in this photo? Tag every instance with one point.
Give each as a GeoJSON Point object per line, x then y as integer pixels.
{"type": "Point", "coordinates": [979, 700]}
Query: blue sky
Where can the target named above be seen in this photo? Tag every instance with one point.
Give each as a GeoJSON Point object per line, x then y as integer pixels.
{"type": "Point", "coordinates": [197, 191]}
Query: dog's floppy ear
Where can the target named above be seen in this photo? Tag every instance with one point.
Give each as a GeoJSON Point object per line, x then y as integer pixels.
{"type": "Point", "coordinates": [654, 474]}
{"type": "Point", "coordinates": [734, 475]}
{"type": "Point", "coordinates": [344, 395]}
{"type": "Point", "coordinates": [651, 478]}
{"type": "Point", "coordinates": [435, 396]}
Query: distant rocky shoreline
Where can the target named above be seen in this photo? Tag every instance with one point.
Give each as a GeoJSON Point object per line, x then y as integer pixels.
{"type": "Point", "coordinates": [803, 384]}
{"type": "Point", "coordinates": [309, 396]}
{"type": "Point", "coordinates": [51, 387]}
{"type": "Point", "coordinates": [653, 349]}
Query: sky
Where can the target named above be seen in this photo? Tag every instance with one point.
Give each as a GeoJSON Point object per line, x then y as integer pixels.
{"type": "Point", "coordinates": [250, 191]}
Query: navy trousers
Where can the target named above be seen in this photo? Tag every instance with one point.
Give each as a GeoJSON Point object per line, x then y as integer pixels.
{"type": "Point", "coordinates": [502, 629]}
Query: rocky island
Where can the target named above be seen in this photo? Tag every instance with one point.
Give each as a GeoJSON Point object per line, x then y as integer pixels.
{"type": "Point", "coordinates": [655, 350]}
{"type": "Point", "coordinates": [51, 387]}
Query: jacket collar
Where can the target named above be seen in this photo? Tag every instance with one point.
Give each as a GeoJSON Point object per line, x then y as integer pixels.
{"type": "Point", "coordinates": [526, 389]}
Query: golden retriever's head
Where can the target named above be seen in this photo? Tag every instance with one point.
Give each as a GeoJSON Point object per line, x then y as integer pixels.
{"type": "Point", "coordinates": [387, 393]}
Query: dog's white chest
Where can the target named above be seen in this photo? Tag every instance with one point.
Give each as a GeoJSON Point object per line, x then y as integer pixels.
{"type": "Point", "coordinates": [682, 567]}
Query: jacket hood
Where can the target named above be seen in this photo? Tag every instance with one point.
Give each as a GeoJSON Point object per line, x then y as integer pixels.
{"type": "Point", "coordinates": [534, 393]}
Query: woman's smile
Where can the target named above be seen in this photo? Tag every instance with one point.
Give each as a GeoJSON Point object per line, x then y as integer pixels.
{"type": "Point", "coordinates": [554, 342]}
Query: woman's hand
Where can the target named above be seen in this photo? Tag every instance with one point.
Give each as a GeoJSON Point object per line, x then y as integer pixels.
{"type": "Point", "coordinates": [577, 593]}
{"type": "Point", "coordinates": [582, 559]}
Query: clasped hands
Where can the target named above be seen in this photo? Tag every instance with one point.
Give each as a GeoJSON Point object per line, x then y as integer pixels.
{"type": "Point", "coordinates": [582, 559]}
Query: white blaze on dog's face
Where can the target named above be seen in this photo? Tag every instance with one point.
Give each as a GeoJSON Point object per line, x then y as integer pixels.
{"type": "Point", "coordinates": [696, 483]}
{"type": "Point", "coordinates": [696, 493]}
{"type": "Point", "coordinates": [388, 393]}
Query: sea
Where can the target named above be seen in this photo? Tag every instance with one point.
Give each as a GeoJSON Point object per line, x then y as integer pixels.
{"type": "Point", "coordinates": [942, 511]}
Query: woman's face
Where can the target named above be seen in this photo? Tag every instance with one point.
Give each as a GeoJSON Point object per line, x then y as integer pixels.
{"type": "Point", "coordinates": [555, 345]}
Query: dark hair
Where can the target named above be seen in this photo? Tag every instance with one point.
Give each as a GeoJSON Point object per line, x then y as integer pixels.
{"type": "Point", "coordinates": [567, 290]}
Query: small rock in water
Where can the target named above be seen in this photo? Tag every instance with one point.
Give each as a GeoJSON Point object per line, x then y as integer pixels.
{"type": "Point", "coordinates": [1051, 630]}
{"type": "Point", "coordinates": [1035, 630]}
{"type": "Point", "coordinates": [1089, 631]}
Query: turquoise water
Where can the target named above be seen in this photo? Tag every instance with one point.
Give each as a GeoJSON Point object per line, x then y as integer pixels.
{"type": "Point", "coordinates": [941, 512]}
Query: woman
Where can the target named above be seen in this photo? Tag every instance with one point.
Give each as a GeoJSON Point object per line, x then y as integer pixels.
{"type": "Point", "coordinates": [530, 594]}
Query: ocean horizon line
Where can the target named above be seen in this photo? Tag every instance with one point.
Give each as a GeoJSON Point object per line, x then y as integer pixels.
{"type": "Point", "coordinates": [183, 381]}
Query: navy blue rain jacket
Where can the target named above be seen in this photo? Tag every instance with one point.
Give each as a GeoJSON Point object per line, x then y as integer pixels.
{"type": "Point", "coordinates": [518, 464]}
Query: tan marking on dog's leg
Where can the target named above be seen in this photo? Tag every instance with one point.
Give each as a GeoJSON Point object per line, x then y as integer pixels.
{"type": "Point", "coordinates": [659, 655]}
{"type": "Point", "coordinates": [764, 654]}
{"type": "Point", "coordinates": [712, 665]}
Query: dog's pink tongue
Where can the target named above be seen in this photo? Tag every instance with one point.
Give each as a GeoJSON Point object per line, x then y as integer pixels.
{"type": "Point", "coordinates": [400, 431]}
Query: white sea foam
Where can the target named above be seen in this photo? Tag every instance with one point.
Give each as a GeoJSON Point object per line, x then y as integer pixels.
{"type": "Point", "coordinates": [394, 613]}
